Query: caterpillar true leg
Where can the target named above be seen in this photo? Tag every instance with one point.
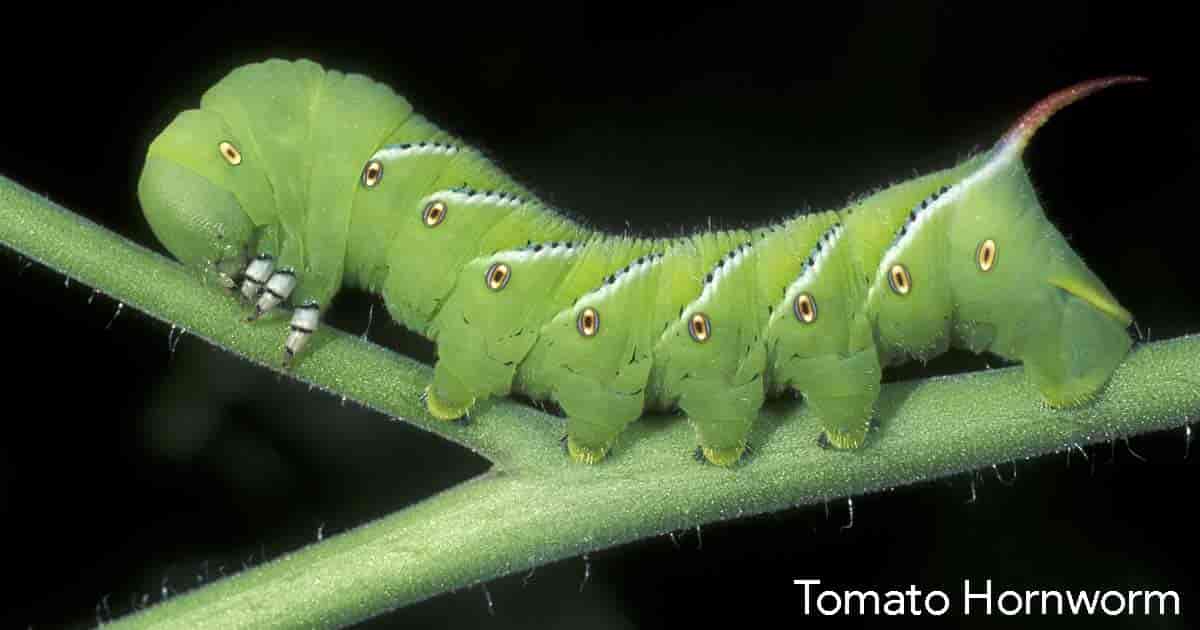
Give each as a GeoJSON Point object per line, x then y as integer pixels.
{"type": "Point", "coordinates": [256, 275]}
{"type": "Point", "coordinates": [270, 282]}
{"type": "Point", "coordinates": [306, 319]}
{"type": "Point", "coordinates": [257, 270]}
{"type": "Point", "coordinates": [277, 289]}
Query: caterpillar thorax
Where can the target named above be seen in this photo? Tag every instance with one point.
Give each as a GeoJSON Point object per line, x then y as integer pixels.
{"type": "Point", "coordinates": [291, 181]}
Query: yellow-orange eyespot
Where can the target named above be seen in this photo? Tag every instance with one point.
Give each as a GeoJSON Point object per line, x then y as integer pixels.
{"type": "Point", "coordinates": [230, 153]}
{"type": "Point", "coordinates": [434, 213]}
{"type": "Point", "coordinates": [372, 173]}
{"type": "Point", "coordinates": [700, 328]}
{"type": "Point", "coordinates": [588, 322]}
{"type": "Point", "coordinates": [497, 276]}
{"type": "Point", "coordinates": [899, 279]}
{"type": "Point", "coordinates": [805, 308]}
{"type": "Point", "coordinates": [985, 255]}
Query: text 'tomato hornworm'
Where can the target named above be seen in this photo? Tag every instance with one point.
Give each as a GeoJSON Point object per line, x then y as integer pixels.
{"type": "Point", "coordinates": [291, 181]}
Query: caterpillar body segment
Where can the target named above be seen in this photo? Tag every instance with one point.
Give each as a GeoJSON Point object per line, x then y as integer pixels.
{"type": "Point", "coordinates": [291, 182]}
{"type": "Point", "coordinates": [821, 342]}
{"type": "Point", "coordinates": [594, 356]}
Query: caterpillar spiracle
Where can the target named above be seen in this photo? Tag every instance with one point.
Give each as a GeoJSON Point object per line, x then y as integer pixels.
{"type": "Point", "coordinates": [291, 181]}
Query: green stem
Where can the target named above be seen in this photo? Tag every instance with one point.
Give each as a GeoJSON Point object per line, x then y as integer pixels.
{"type": "Point", "coordinates": [533, 507]}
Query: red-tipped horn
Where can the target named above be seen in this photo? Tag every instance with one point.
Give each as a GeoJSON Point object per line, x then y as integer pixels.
{"type": "Point", "coordinates": [1019, 134]}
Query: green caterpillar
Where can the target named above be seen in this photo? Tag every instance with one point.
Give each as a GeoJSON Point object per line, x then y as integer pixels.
{"type": "Point", "coordinates": [292, 181]}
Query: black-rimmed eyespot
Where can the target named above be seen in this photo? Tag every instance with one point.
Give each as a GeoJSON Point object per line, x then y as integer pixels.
{"type": "Point", "coordinates": [588, 322]}
{"type": "Point", "coordinates": [497, 276]}
{"type": "Point", "coordinates": [434, 213]}
{"type": "Point", "coordinates": [805, 308]}
{"type": "Point", "coordinates": [372, 173]}
{"type": "Point", "coordinates": [700, 328]}
{"type": "Point", "coordinates": [899, 279]}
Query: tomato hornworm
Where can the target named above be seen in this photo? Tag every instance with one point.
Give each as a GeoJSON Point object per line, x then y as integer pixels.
{"type": "Point", "coordinates": [291, 181]}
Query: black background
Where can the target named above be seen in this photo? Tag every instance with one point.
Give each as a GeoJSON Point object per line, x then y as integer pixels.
{"type": "Point", "coordinates": [127, 470]}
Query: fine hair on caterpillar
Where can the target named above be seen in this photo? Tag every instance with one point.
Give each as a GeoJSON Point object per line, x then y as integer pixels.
{"type": "Point", "coordinates": [289, 208]}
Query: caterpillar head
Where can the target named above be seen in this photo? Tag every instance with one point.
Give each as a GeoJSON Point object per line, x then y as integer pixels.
{"type": "Point", "coordinates": [1018, 288]}
{"type": "Point", "coordinates": [196, 187]}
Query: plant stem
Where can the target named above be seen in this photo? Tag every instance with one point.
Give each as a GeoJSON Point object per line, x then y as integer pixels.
{"type": "Point", "coordinates": [534, 507]}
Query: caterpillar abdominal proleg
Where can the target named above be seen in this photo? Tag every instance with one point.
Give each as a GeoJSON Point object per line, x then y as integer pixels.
{"type": "Point", "coordinates": [291, 181]}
